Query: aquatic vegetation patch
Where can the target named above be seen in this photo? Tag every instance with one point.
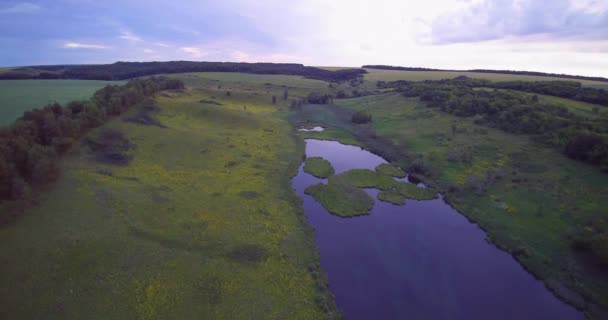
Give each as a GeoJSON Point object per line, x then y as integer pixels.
{"type": "Point", "coordinates": [391, 196]}
{"type": "Point", "coordinates": [390, 170]}
{"type": "Point", "coordinates": [318, 167]}
{"type": "Point", "coordinates": [341, 198]}
{"type": "Point", "coordinates": [365, 178]}
{"type": "Point", "coordinates": [411, 191]}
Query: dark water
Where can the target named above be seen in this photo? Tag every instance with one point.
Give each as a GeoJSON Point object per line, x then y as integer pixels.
{"type": "Point", "coordinates": [419, 261]}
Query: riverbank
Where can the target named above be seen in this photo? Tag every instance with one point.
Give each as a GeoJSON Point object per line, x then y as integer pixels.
{"type": "Point", "coordinates": [539, 202]}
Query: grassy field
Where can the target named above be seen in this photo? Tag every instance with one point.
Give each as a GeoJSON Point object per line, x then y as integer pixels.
{"type": "Point", "coordinates": [17, 96]}
{"type": "Point", "coordinates": [580, 108]}
{"type": "Point", "coordinates": [201, 224]}
{"type": "Point", "coordinates": [537, 203]}
{"type": "Point", "coordinates": [375, 75]}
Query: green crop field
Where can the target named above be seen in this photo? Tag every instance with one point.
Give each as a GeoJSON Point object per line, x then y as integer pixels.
{"type": "Point", "coordinates": [375, 75]}
{"type": "Point", "coordinates": [17, 96]}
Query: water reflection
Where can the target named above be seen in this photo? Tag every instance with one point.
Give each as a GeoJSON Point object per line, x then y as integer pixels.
{"type": "Point", "coordinates": [315, 129]}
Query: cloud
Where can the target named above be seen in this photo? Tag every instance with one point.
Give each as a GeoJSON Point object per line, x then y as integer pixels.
{"type": "Point", "coordinates": [160, 44]}
{"type": "Point", "coordinates": [125, 35]}
{"type": "Point", "coordinates": [242, 56]}
{"type": "Point", "coordinates": [147, 50]}
{"type": "Point", "coordinates": [496, 19]}
{"type": "Point", "coordinates": [194, 52]}
{"type": "Point", "coordinates": [23, 7]}
{"type": "Point", "coordinates": [184, 30]}
{"type": "Point", "coordinates": [76, 45]}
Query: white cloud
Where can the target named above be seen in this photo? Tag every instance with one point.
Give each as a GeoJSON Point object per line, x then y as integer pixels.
{"type": "Point", "coordinates": [160, 44]}
{"type": "Point", "coordinates": [242, 56]}
{"type": "Point", "coordinates": [23, 7]}
{"type": "Point", "coordinates": [194, 52]}
{"type": "Point", "coordinates": [147, 50]}
{"type": "Point", "coordinates": [126, 35]}
{"type": "Point", "coordinates": [76, 45]}
{"type": "Point", "coordinates": [183, 30]}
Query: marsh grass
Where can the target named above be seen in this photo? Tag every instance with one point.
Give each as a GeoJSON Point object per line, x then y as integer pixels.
{"type": "Point", "coordinates": [390, 170]}
{"type": "Point", "coordinates": [318, 167]}
{"type": "Point", "coordinates": [341, 198]}
{"type": "Point", "coordinates": [391, 196]}
{"type": "Point", "coordinates": [365, 178]}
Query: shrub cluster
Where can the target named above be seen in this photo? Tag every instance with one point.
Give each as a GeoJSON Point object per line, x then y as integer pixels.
{"type": "Point", "coordinates": [578, 137]}
{"type": "Point", "coordinates": [29, 148]}
{"type": "Point", "coordinates": [361, 117]}
{"type": "Point", "coordinates": [525, 73]}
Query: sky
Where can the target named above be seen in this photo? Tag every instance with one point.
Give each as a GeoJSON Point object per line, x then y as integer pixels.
{"type": "Point", "coordinates": [558, 36]}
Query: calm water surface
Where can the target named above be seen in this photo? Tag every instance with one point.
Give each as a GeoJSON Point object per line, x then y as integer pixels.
{"type": "Point", "coordinates": [422, 260]}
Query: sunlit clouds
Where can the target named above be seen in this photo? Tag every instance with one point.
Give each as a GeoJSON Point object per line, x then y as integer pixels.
{"type": "Point", "coordinates": [564, 36]}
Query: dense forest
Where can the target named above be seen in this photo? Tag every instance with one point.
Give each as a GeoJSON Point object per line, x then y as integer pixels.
{"type": "Point", "coordinates": [523, 73]}
{"type": "Point", "coordinates": [581, 138]}
{"type": "Point", "coordinates": [128, 70]}
{"type": "Point", "coordinates": [29, 148]}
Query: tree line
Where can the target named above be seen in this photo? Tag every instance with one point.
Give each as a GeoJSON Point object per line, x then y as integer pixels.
{"type": "Point", "coordinates": [564, 89]}
{"type": "Point", "coordinates": [580, 138]}
{"type": "Point", "coordinates": [129, 70]}
{"type": "Point", "coordinates": [30, 147]}
{"type": "Point", "coordinates": [523, 73]}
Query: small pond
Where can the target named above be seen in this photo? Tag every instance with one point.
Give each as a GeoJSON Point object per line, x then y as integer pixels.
{"type": "Point", "coordinates": [314, 129]}
{"type": "Point", "coordinates": [422, 260]}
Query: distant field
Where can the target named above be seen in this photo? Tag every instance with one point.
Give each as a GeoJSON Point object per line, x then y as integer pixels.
{"type": "Point", "coordinates": [393, 75]}
{"type": "Point", "coordinates": [578, 107]}
{"type": "Point", "coordinates": [256, 79]}
{"type": "Point", "coordinates": [17, 96]}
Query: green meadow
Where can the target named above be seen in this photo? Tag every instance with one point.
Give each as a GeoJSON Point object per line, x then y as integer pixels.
{"type": "Point", "coordinates": [202, 223]}
{"type": "Point", "coordinates": [201, 220]}
{"type": "Point", "coordinates": [18, 96]}
{"type": "Point", "coordinates": [375, 75]}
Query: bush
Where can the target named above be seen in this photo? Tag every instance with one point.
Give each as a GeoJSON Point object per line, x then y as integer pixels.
{"type": "Point", "coordinates": [361, 117]}
{"type": "Point", "coordinates": [589, 148]}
